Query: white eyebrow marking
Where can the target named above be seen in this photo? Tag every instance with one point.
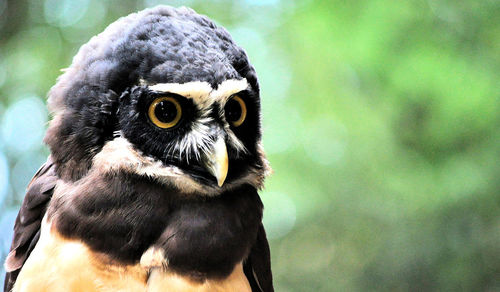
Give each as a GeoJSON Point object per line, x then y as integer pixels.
{"type": "Point", "coordinates": [197, 90]}
{"type": "Point", "coordinates": [201, 92]}
{"type": "Point", "coordinates": [227, 88]}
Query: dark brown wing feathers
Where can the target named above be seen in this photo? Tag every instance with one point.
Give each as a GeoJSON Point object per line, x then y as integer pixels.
{"type": "Point", "coordinates": [29, 219]}
{"type": "Point", "coordinates": [257, 267]}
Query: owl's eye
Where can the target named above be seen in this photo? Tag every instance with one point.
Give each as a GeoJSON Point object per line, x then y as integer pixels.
{"type": "Point", "coordinates": [236, 111]}
{"type": "Point", "coordinates": [165, 112]}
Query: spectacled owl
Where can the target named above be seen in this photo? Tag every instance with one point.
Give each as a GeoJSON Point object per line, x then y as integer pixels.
{"type": "Point", "coordinates": [154, 168]}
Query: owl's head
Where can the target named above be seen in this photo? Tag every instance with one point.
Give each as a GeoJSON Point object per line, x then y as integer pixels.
{"type": "Point", "coordinates": [163, 93]}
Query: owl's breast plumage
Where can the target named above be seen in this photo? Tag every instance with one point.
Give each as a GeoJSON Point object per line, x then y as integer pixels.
{"type": "Point", "coordinates": [107, 225]}
{"type": "Point", "coordinates": [61, 264]}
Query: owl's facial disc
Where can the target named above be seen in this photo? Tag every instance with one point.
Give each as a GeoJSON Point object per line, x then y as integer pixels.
{"type": "Point", "coordinates": [211, 148]}
{"type": "Point", "coordinates": [192, 136]}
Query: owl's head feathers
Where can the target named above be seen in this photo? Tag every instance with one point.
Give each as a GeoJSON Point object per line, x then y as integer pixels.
{"type": "Point", "coordinates": [163, 93]}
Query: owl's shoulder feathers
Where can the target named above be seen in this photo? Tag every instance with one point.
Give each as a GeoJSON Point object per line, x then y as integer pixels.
{"type": "Point", "coordinates": [28, 221]}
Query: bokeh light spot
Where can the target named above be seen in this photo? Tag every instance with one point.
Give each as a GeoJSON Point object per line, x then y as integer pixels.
{"type": "Point", "coordinates": [65, 12]}
{"type": "Point", "coordinates": [252, 41]}
{"type": "Point", "coordinates": [281, 124]}
{"type": "Point", "coordinates": [6, 229]}
{"type": "Point", "coordinates": [23, 124]}
{"type": "Point", "coordinates": [6, 232]}
{"type": "Point", "coordinates": [325, 140]}
{"type": "Point", "coordinates": [279, 214]}
{"type": "Point", "coordinates": [4, 177]}
{"type": "Point", "coordinates": [263, 2]}
{"type": "Point", "coordinates": [23, 171]}
{"type": "Point", "coordinates": [95, 14]}
{"type": "Point", "coordinates": [23, 66]}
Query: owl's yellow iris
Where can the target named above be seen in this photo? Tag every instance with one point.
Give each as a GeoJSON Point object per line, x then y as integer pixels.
{"type": "Point", "coordinates": [236, 111]}
{"type": "Point", "coordinates": [165, 112]}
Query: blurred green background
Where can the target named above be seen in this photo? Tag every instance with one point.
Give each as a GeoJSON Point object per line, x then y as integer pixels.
{"type": "Point", "coordinates": [381, 121]}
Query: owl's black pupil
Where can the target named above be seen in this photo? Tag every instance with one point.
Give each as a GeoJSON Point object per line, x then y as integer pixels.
{"type": "Point", "coordinates": [165, 111]}
{"type": "Point", "coordinates": [233, 110]}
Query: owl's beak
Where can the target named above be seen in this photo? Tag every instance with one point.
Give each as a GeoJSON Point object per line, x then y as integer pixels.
{"type": "Point", "coordinates": [216, 162]}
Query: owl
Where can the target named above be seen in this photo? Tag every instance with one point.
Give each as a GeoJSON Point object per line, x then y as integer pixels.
{"type": "Point", "coordinates": [154, 168]}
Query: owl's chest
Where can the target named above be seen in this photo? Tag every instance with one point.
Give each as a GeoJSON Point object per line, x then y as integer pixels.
{"type": "Point", "coordinates": [201, 238]}
{"type": "Point", "coordinates": [60, 264]}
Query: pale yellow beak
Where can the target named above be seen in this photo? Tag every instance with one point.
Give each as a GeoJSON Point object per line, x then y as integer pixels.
{"type": "Point", "coordinates": [217, 162]}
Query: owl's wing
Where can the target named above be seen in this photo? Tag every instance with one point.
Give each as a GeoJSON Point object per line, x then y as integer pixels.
{"type": "Point", "coordinates": [257, 267]}
{"type": "Point", "coordinates": [29, 219]}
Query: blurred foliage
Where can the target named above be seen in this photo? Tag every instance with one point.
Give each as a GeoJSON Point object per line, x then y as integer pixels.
{"type": "Point", "coordinates": [381, 122]}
